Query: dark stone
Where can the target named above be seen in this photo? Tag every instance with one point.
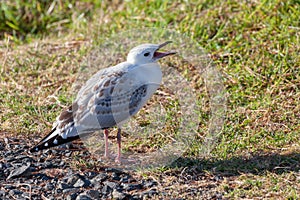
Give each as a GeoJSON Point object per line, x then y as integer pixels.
{"type": "Point", "coordinates": [112, 185]}
{"type": "Point", "coordinates": [62, 163]}
{"type": "Point", "coordinates": [57, 191]}
{"type": "Point", "coordinates": [93, 193]}
{"type": "Point", "coordinates": [106, 189]}
{"type": "Point", "coordinates": [47, 151]}
{"type": "Point", "coordinates": [115, 176]}
{"type": "Point", "coordinates": [135, 197]}
{"type": "Point", "coordinates": [54, 180]}
{"type": "Point", "coordinates": [48, 164]}
{"type": "Point", "coordinates": [149, 193]}
{"type": "Point", "coordinates": [18, 158]}
{"type": "Point", "coordinates": [124, 179]}
{"type": "Point", "coordinates": [68, 154]}
{"type": "Point", "coordinates": [97, 180]}
{"type": "Point", "coordinates": [14, 192]}
{"type": "Point", "coordinates": [71, 196]}
{"type": "Point", "coordinates": [49, 186]}
{"type": "Point", "coordinates": [7, 165]}
{"type": "Point", "coordinates": [21, 171]}
{"type": "Point", "coordinates": [118, 195]}
{"type": "Point", "coordinates": [51, 198]}
{"type": "Point", "coordinates": [2, 146]}
{"type": "Point", "coordinates": [71, 190]}
{"type": "Point", "coordinates": [109, 169]}
{"type": "Point", "coordinates": [83, 197]}
{"type": "Point", "coordinates": [149, 183]}
{"type": "Point", "coordinates": [100, 178]}
{"type": "Point", "coordinates": [9, 158]}
{"type": "Point", "coordinates": [79, 183]}
{"type": "Point", "coordinates": [90, 174]}
{"type": "Point", "coordinates": [63, 186]}
{"type": "Point", "coordinates": [9, 187]}
{"type": "Point", "coordinates": [218, 196]}
{"type": "Point", "coordinates": [44, 177]}
{"type": "Point", "coordinates": [72, 179]}
{"type": "Point", "coordinates": [130, 187]}
{"type": "Point", "coordinates": [2, 193]}
{"type": "Point", "coordinates": [218, 178]}
{"type": "Point", "coordinates": [131, 180]}
{"type": "Point", "coordinates": [53, 151]}
{"type": "Point", "coordinates": [82, 183]}
{"type": "Point", "coordinates": [26, 195]}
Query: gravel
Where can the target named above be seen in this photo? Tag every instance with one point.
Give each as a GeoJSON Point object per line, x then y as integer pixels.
{"type": "Point", "coordinates": [51, 175]}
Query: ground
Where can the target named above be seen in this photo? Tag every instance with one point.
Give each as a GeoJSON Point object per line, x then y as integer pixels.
{"type": "Point", "coordinates": [253, 44]}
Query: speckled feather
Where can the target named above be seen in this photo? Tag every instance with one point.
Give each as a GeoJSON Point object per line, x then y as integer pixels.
{"type": "Point", "coordinates": [108, 98]}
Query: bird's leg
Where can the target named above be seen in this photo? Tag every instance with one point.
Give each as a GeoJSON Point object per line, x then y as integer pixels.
{"type": "Point", "coordinates": [118, 158]}
{"type": "Point", "coordinates": [106, 143]}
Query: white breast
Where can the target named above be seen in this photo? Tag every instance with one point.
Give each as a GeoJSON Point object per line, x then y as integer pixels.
{"type": "Point", "coordinates": [111, 98]}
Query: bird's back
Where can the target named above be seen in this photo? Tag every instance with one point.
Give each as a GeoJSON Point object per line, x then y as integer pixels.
{"type": "Point", "coordinates": [112, 96]}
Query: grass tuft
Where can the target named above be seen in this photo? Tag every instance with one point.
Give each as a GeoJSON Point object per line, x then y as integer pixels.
{"type": "Point", "coordinates": [254, 44]}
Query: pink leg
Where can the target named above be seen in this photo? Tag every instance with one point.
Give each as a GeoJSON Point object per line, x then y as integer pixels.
{"type": "Point", "coordinates": [118, 158]}
{"type": "Point", "coordinates": [106, 143]}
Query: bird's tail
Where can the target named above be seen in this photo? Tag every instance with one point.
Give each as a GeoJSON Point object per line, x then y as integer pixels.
{"type": "Point", "coordinates": [51, 140]}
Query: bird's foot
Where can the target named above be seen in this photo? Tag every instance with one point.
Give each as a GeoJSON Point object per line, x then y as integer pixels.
{"type": "Point", "coordinates": [118, 160]}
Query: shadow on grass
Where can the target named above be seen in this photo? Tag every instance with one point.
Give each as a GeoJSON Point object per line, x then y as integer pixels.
{"type": "Point", "coordinates": [256, 164]}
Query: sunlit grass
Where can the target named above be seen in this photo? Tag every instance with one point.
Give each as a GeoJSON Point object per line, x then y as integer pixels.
{"type": "Point", "coordinates": [254, 44]}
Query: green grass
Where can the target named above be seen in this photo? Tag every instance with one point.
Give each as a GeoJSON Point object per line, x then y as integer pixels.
{"type": "Point", "coordinates": [25, 19]}
{"type": "Point", "coordinates": [254, 44]}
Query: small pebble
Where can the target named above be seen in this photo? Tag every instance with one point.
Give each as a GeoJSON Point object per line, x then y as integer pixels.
{"type": "Point", "coordinates": [63, 186]}
{"type": "Point", "coordinates": [9, 187]}
{"type": "Point", "coordinates": [83, 197]}
{"type": "Point", "coordinates": [112, 185]}
{"type": "Point", "coordinates": [72, 196]}
{"type": "Point", "coordinates": [149, 193]}
{"type": "Point", "coordinates": [115, 176]}
{"type": "Point", "coordinates": [14, 192]}
{"type": "Point", "coordinates": [130, 187]}
{"type": "Point", "coordinates": [109, 169]}
{"type": "Point", "coordinates": [118, 195]}
{"type": "Point", "coordinates": [2, 193]}
{"type": "Point", "coordinates": [49, 186]}
{"type": "Point", "coordinates": [68, 154]}
{"type": "Point", "coordinates": [72, 179]}
{"type": "Point", "coordinates": [50, 175]}
{"type": "Point", "coordinates": [106, 189]}
{"type": "Point", "coordinates": [150, 183]}
{"type": "Point", "coordinates": [26, 195]}
{"type": "Point", "coordinates": [93, 193]}
{"type": "Point", "coordinates": [71, 190]}
{"type": "Point", "coordinates": [90, 174]}
{"type": "Point", "coordinates": [81, 183]}
{"type": "Point", "coordinates": [100, 178]}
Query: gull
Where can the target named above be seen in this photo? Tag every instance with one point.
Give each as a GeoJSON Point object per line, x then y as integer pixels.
{"type": "Point", "coordinates": [109, 98]}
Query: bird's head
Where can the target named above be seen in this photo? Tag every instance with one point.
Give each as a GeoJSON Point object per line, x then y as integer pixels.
{"type": "Point", "coordinates": [147, 53]}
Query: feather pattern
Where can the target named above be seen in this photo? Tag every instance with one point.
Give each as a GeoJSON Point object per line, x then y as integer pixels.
{"type": "Point", "coordinates": [109, 97]}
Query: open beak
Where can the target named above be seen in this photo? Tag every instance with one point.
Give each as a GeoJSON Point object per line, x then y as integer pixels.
{"type": "Point", "coordinates": [157, 55]}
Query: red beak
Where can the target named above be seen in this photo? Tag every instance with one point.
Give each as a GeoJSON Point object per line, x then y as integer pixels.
{"type": "Point", "coordinates": [158, 55]}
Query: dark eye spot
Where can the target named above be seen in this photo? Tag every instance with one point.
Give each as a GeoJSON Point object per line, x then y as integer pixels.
{"type": "Point", "coordinates": [147, 54]}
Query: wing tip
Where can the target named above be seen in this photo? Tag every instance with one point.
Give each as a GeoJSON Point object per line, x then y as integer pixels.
{"type": "Point", "coordinates": [42, 144]}
{"type": "Point", "coordinates": [39, 147]}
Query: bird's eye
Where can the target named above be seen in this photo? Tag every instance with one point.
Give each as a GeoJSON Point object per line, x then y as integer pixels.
{"type": "Point", "coordinates": [147, 54]}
